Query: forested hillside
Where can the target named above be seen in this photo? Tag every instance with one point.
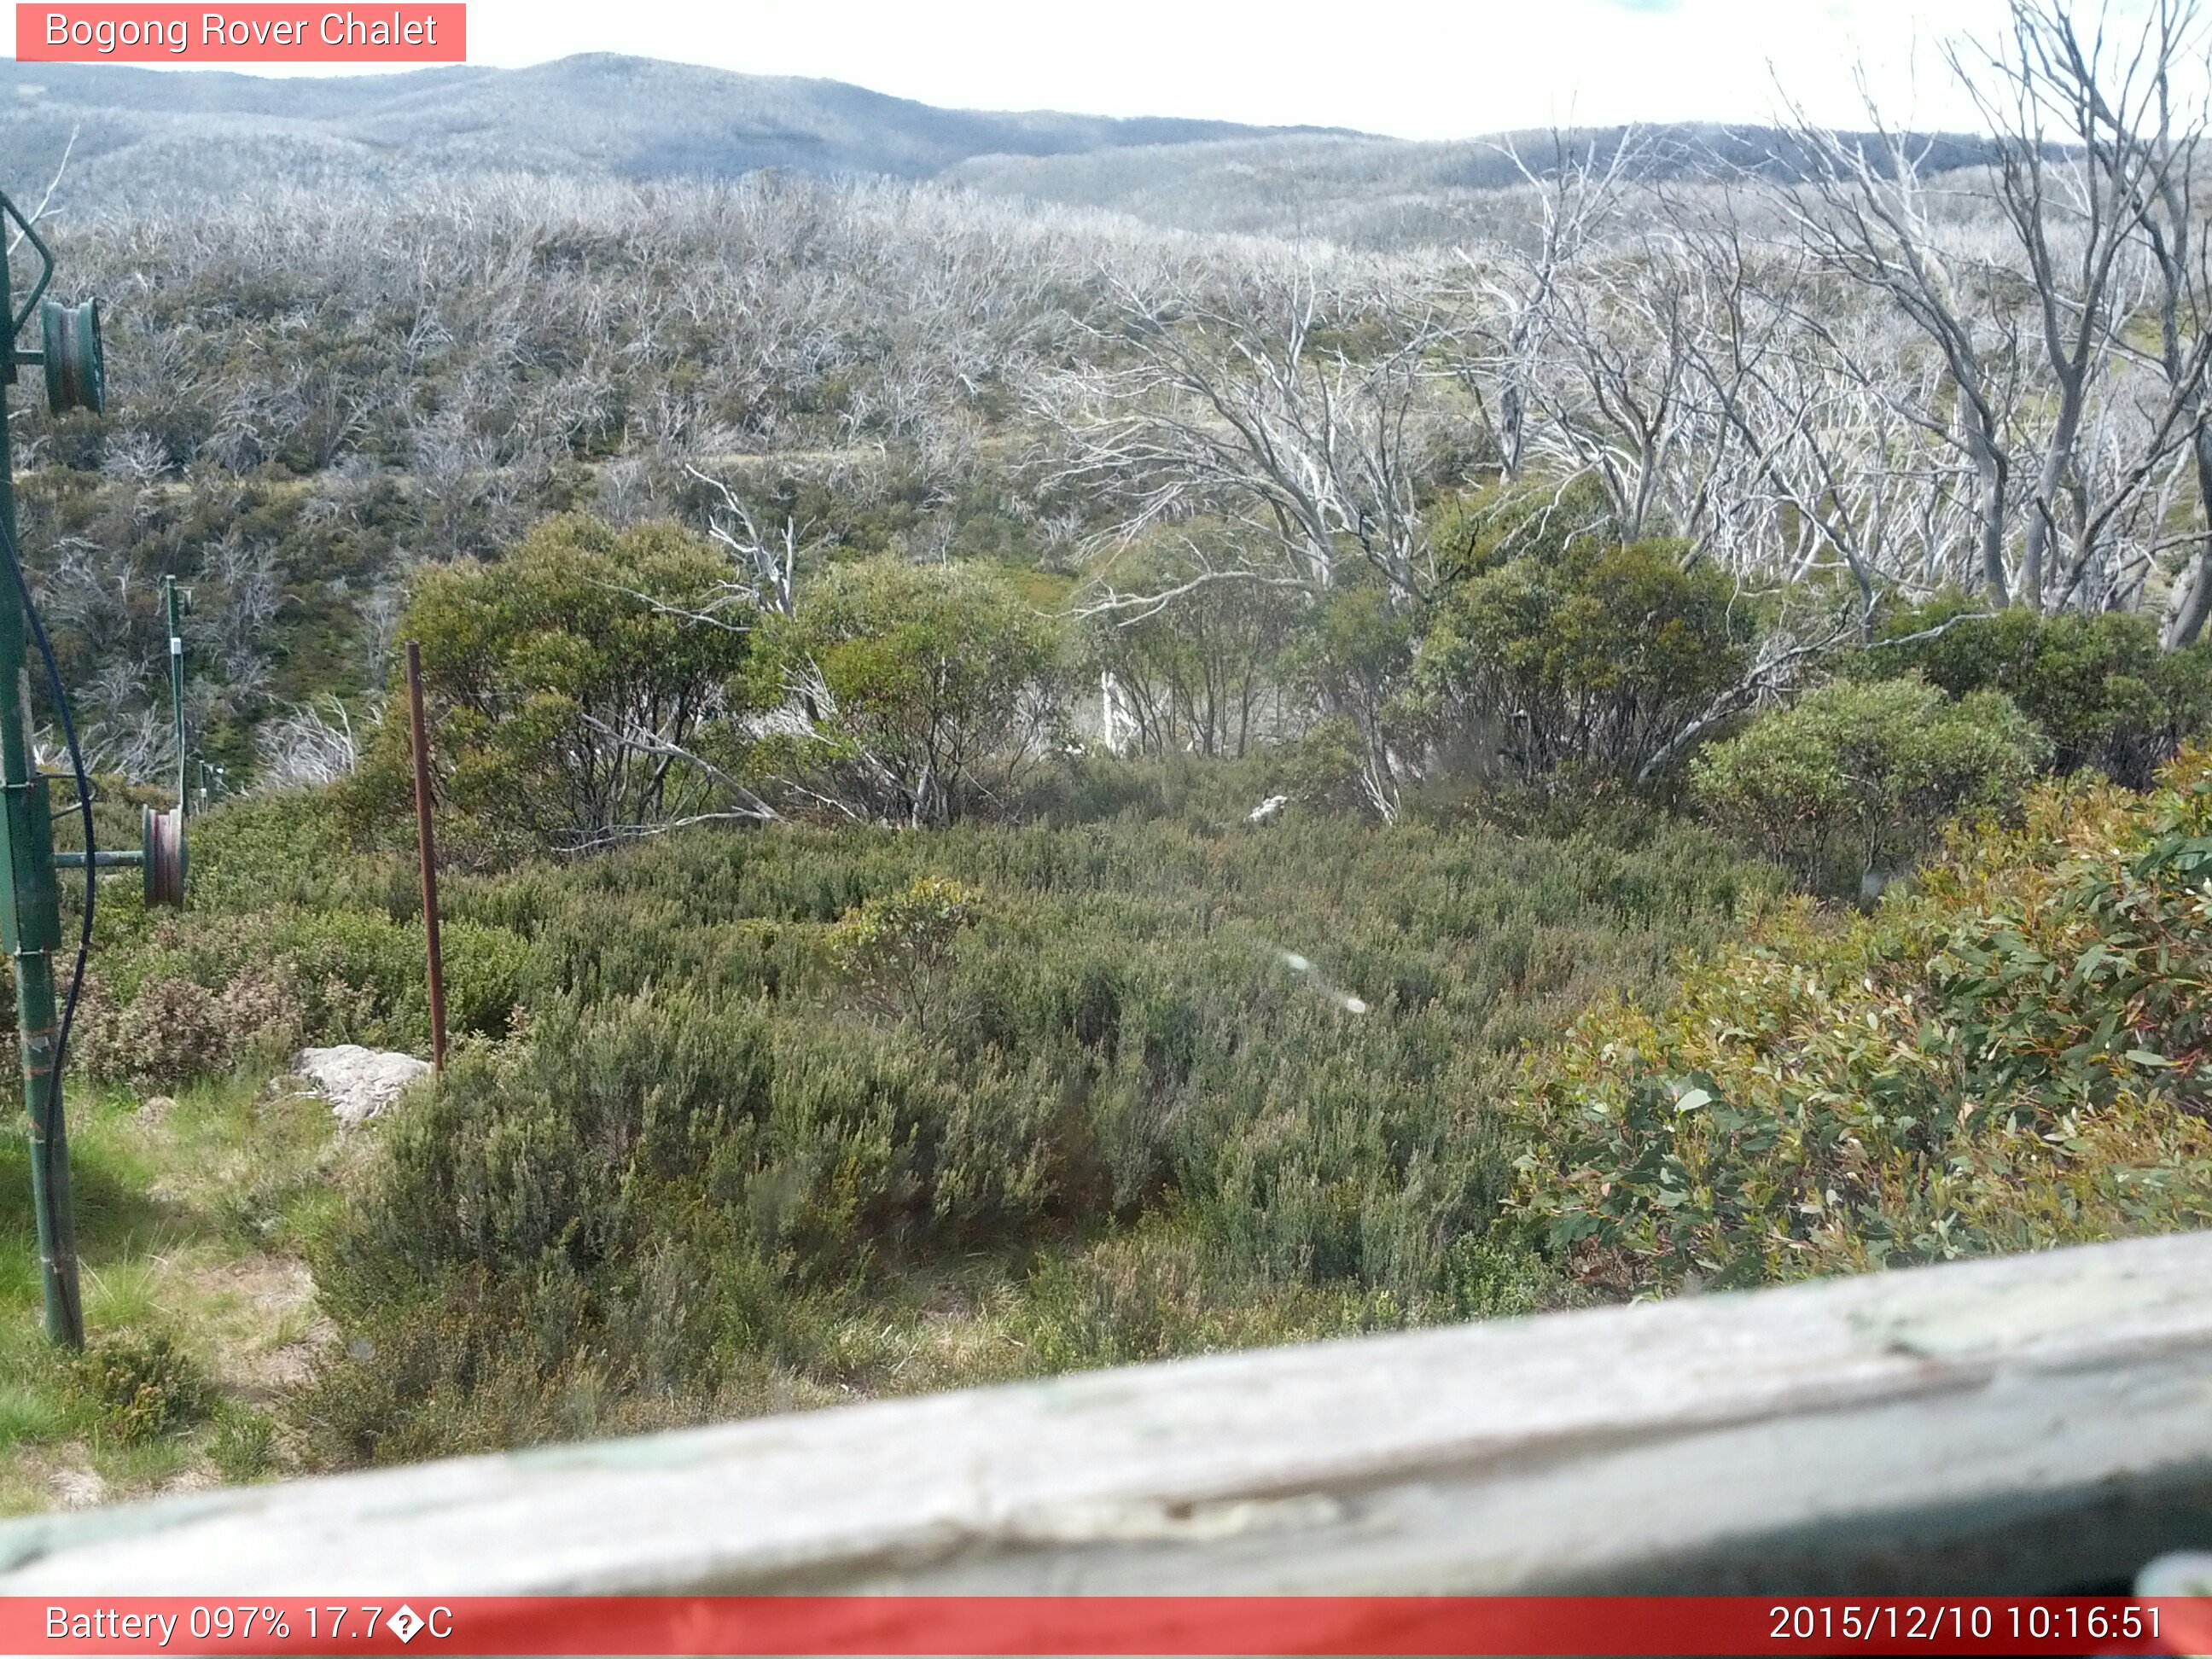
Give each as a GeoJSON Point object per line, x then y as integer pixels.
{"type": "Point", "coordinates": [141, 136]}
{"type": "Point", "coordinates": [1028, 785]}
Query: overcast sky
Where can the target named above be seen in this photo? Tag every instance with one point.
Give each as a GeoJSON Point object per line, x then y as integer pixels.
{"type": "Point", "coordinates": [1419, 69]}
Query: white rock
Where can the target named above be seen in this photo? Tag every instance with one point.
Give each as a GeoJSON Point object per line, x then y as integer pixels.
{"type": "Point", "coordinates": [78, 1489]}
{"type": "Point", "coordinates": [359, 1082]}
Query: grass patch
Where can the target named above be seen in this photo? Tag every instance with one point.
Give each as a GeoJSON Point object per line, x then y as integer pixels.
{"type": "Point", "coordinates": [198, 1310]}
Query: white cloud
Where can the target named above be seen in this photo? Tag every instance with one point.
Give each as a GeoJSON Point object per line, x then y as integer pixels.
{"type": "Point", "coordinates": [1427, 69]}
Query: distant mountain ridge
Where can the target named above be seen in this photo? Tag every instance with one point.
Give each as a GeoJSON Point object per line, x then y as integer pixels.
{"type": "Point", "coordinates": [598, 113]}
{"type": "Point", "coordinates": [143, 136]}
{"type": "Point", "coordinates": [1358, 188]}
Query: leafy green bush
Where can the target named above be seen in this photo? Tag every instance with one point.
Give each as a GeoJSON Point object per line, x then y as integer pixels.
{"type": "Point", "coordinates": [1353, 657]}
{"type": "Point", "coordinates": [561, 682]}
{"type": "Point", "coordinates": [2015, 1054]}
{"type": "Point", "coordinates": [1336, 766]}
{"type": "Point", "coordinates": [293, 849]}
{"type": "Point", "coordinates": [1204, 672]}
{"type": "Point", "coordinates": [912, 694]}
{"type": "Point", "coordinates": [1585, 662]}
{"type": "Point", "coordinates": [1856, 778]}
{"type": "Point", "coordinates": [175, 998]}
{"type": "Point", "coordinates": [2104, 692]}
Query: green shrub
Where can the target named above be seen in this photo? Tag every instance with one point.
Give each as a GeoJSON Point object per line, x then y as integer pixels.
{"type": "Point", "coordinates": [695, 1170]}
{"type": "Point", "coordinates": [143, 1386]}
{"type": "Point", "coordinates": [263, 1016]}
{"type": "Point", "coordinates": [894, 946]}
{"type": "Point", "coordinates": [1202, 674]}
{"type": "Point", "coordinates": [1327, 768]}
{"type": "Point", "coordinates": [539, 669]}
{"type": "Point", "coordinates": [1583, 662]}
{"type": "Point", "coordinates": [173, 1031]}
{"type": "Point", "coordinates": [2099, 686]}
{"type": "Point", "coordinates": [170, 1031]}
{"type": "Point", "coordinates": [1353, 657]}
{"type": "Point", "coordinates": [913, 694]}
{"type": "Point", "coordinates": [291, 850]}
{"type": "Point", "coordinates": [220, 988]}
{"type": "Point", "coordinates": [2011, 1057]}
{"type": "Point", "coordinates": [1856, 778]}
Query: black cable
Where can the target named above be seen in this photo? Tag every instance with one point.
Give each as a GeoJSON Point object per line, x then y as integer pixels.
{"type": "Point", "coordinates": [8, 545]}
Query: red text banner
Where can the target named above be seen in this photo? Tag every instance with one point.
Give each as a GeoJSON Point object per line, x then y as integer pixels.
{"type": "Point", "coordinates": [1184, 1626]}
{"type": "Point", "coordinates": [126, 34]}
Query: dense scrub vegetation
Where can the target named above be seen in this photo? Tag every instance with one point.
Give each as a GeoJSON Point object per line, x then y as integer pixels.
{"type": "Point", "coordinates": [743, 1118]}
{"type": "Point", "coordinates": [737, 1117]}
{"type": "Point", "coordinates": [1851, 784]}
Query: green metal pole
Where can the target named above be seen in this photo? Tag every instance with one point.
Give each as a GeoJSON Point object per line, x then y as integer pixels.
{"type": "Point", "coordinates": [30, 911]}
{"type": "Point", "coordinates": [176, 684]}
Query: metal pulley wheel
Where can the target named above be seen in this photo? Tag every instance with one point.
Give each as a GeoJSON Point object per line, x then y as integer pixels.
{"type": "Point", "coordinates": [76, 371]}
{"type": "Point", "coordinates": [165, 861]}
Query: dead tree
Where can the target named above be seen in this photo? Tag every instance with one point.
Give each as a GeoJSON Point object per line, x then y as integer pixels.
{"type": "Point", "coordinates": [1301, 412]}
{"type": "Point", "coordinates": [1864, 212]}
{"type": "Point", "coordinates": [1519, 282]}
{"type": "Point", "coordinates": [2087, 156]}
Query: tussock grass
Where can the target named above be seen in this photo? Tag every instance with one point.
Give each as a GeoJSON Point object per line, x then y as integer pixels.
{"type": "Point", "coordinates": [198, 1306]}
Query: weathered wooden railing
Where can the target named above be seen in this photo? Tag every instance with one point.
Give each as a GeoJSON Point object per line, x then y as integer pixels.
{"type": "Point", "coordinates": [2039, 1424]}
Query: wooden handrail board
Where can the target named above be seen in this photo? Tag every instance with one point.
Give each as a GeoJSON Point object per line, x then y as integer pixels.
{"type": "Point", "coordinates": [2042, 1421]}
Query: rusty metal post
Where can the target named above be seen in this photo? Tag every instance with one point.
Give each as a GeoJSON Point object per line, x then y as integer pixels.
{"type": "Point", "coordinates": [427, 843]}
{"type": "Point", "coordinates": [177, 684]}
